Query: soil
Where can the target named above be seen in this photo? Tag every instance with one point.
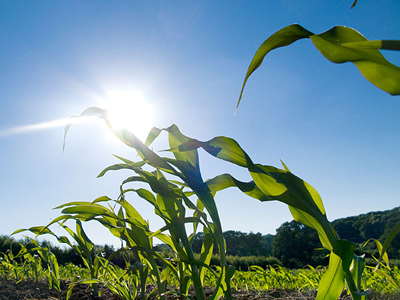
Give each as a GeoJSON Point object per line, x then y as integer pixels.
{"type": "Point", "coordinates": [40, 291]}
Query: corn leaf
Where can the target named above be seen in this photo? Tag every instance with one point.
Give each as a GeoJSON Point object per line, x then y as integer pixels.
{"type": "Point", "coordinates": [339, 45]}
{"type": "Point", "coordinates": [120, 167]}
{"type": "Point", "coordinates": [222, 147]}
{"type": "Point", "coordinates": [85, 209]}
{"type": "Point", "coordinates": [206, 252]}
{"type": "Point", "coordinates": [176, 138]}
{"type": "Point", "coordinates": [382, 252]}
{"type": "Point", "coordinates": [281, 38]}
{"type": "Point", "coordinates": [332, 282]}
{"type": "Point", "coordinates": [357, 270]}
{"type": "Point", "coordinates": [343, 44]}
{"type": "Point", "coordinates": [153, 134]}
{"type": "Point", "coordinates": [270, 183]}
{"type": "Point", "coordinates": [225, 181]}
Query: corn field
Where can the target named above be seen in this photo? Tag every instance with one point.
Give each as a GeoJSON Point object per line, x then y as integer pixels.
{"type": "Point", "coordinates": [186, 204]}
{"type": "Point", "coordinates": [125, 283]}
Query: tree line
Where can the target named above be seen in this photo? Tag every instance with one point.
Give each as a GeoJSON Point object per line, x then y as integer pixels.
{"type": "Point", "coordinates": [296, 245]}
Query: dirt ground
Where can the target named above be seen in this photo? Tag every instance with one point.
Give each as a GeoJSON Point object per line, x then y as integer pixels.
{"type": "Point", "coordinates": [40, 291]}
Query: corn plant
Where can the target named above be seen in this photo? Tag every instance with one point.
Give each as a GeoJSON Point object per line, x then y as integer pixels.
{"type": "Point", "coordinates": [171, 199]}
{"type": "Point", "coordinates": [120, 282]}
{"type": "Point", "coordinates": [269, 183]}
{"type": "Point", "coordinates": [339, 45]}
{"type": "Point", "coordinates": [84, 246]}
{"type": "Point", "coordinates": [30, 264]}
{"type": "Point", "coordinates": [130, 226]}
{"type": "Point", "coordinates": [276, 277]}
{"type": "Point", "coordinates": [71, 272]}
{"type": "Point", "coordinates": [9, 266]}
{"type": "Point", "coordinates": [37, 255]}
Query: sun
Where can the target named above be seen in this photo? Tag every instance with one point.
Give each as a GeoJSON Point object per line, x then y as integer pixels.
{"type": "Point", "coordinates": [129, 110]}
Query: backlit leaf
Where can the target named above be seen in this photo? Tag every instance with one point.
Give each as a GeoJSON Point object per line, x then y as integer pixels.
{"type": "Point", "coordinates": [332, 282]}
{"type": "Point", "coordinates": [339, 45]}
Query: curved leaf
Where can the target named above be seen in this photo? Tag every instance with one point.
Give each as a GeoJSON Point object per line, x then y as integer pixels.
{"type": "Point", "coordinates": [281, 38]}
{"type": "Point", "coordinates": [343, 44]}
{"type": "Point", "coordinates": [120, 167]}
{"type": "Point", "coordinates": [382, 251]}
{"type": "Point", "coordinates": [85, 209]}
{"type": "Point", "coordinates": [340, 44]}
{"type": "Point", "coordinates": [270, 184]}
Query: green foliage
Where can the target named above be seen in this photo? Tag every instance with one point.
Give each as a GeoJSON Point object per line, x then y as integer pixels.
{"type": "Point", "coordinates": [296, 246]}
{"type": "Point", "coordinates": [373, 225]}
{"type": "Point", "coordinates": [32, 262]}
{"type": "Point", "coordinates": [243, 263]}
{"type": "Point", "coordinates": [171, 200]}
{"type": "Point", "coordinates": [269, 183]}
{"type": "Point", "coordinates": [240, 243]}
{"type": "Point", "coordinates": [277, 277]}
{"type": "Point", "coordinates": [339, 45]}
{"type": "Point", "coordinates": [383, 283]}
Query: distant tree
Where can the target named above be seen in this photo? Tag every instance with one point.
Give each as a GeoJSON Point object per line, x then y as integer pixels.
{"type": "Point", "coordinates": [266, 244]}
{"type": "Point", "coordinates": [197, 242]}
{"type": "Point", "coordinates": [253, 244]}
{"type": "Point", "coordinates": [347, 229]}
{"type": "Point", "coordinates": [375, 225]}
{"type": "Point", "coordinates": [240, 244]}
{"type": "Point", "coordinates": [235, 242]}
{"type": "Point", "coordinates": [295, 246]}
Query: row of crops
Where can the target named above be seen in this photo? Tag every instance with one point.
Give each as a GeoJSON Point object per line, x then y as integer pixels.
{"type": "Point", "coordinates": [39, 264]}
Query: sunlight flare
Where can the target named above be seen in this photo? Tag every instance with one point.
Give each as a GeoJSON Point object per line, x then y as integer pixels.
{"type": "Point", "coordinates": [129, 110]}
{"type": "Point", "coordinates": [43, 126]}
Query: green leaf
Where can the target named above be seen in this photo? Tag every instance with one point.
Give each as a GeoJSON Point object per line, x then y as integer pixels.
{"type": "Point", "coordinates": [270, 184]}
{"type": "Point", "coordinates": [83, 239]}
{"type": "Point", "coordinates": [85, 209]}
{"type": "Point", "coordinates": [221, 147]}
{"type": "Point", "coordinates": [153, 134]}
{"type": "Point", "coordinates": [19, 231]}
{"type": "Point", "coordinates": [334, 45]}
{"type": "Point", "coordinates": [281, 38]}
{"type": "Point", "coordinates": [332, 282]}
{"type": "Point", "coordinates": [101, 199]}
{"type": "Point", "coordinates": [73, 203]}
{"type": "Point", "coordinates": [339, 45]}
{"type": "Point", "coordinates": [319, 226]}
{"type": "Point", "coordinates": [376, 44]}
{"type": "Point", "coordinates": [132, 212]}
{"type": "Point", "coordinates": [121, 167]}
{"type": "Point", "coordinates": [40, 230]}
{"type": "Point", "coordinates": [225, 181]}
{"type": "Point", "coordinates": [206, 252]}
{"type": "Point", "coordinates": [382, 252]}
{"type": "Point", "coordinates": [176, 138]}
{"type": "Point", "coordinates": [357, 270]}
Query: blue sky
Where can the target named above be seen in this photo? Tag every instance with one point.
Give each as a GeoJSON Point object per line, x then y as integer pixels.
{"type": "Point", "coordinates": [188, 59]}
